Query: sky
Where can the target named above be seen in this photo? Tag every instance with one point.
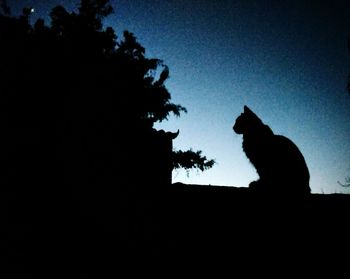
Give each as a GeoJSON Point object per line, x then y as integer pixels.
{"type": "Point", "coordinates": [286, 60]}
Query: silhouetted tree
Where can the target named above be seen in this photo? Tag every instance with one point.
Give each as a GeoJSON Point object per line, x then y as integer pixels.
{"type": "Point", "coordinates": [190, 159]}
{"type": "Point", "coordinates": [73, 92]}
{"type": "Point", "coordinates": [347, 182]}
{"type": "Point", "coordinates": [4, 7]}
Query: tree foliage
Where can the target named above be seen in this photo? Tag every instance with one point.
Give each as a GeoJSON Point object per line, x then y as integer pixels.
{"type": "Point", "coordinates": [75, 78]}
{"type": "Point", "coordinates": [190, 159]}
{"type": "Point", "coordinates": [347, 182]}
{"type": "Point", "coordinates": [4, 8]}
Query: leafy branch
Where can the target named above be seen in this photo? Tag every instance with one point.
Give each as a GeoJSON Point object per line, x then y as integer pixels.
{"type": "Point", "coordinates": [191, 160]}
{"type": "Point", "coordinates": [347, 182]}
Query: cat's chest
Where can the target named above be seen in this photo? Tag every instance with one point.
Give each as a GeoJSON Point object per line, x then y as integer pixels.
{"type": "Point", "coordinates": [255, 143]}
{"type": "Point", "coordinates": [255, 147]}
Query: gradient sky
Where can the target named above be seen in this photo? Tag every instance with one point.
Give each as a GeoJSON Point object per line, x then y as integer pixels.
{"type": "Point", "coordinates": [287, 61]}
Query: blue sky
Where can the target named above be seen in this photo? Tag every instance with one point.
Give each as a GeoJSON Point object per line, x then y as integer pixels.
{"type": "Point", "coordinates": [287, 61]}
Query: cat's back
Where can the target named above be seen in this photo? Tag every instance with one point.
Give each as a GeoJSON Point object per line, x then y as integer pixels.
{"type": "Point", "coordinates": [285, 147]}
{"type": "Point", "coordinates": [289, 157]}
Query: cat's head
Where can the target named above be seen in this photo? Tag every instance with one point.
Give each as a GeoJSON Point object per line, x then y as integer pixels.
{"type": "Point", "coordinates": [246, 122]}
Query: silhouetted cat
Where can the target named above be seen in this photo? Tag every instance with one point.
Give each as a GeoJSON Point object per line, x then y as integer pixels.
{"type": "Point", "coordinates": [278, 161]}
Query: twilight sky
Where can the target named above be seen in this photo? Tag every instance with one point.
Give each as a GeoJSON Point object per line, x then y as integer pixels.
{"type": "Point", "coordinates": [287, 61]}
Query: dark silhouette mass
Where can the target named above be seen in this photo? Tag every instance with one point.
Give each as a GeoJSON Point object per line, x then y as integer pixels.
{"type": "Point", "coordinates": [85, 178]}
{"type": "Point", "coordinates": [278, 161]}
{"type": "Point", "coordinates": [80, 105]}
{"type": "Point", "coordinates": [80, 157]}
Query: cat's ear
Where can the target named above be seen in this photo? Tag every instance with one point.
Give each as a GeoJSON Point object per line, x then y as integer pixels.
{"type": "Point", "coordinates": [247, 110]}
